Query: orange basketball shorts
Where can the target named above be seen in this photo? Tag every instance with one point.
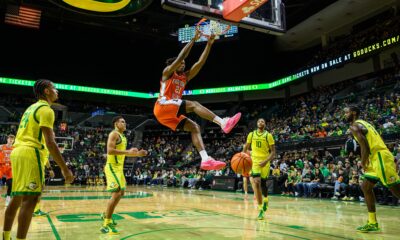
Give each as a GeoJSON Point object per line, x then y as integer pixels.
{"type": "Point", "coordinates": [246, 174]}
{"type": "Point", "coordinates": [167, 111]}
{"type": "Point", "coordinates": [6, 171]}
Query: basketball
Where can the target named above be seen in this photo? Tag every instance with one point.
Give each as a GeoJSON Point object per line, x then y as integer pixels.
{"type": "Point", "coordinates": [241, 163]}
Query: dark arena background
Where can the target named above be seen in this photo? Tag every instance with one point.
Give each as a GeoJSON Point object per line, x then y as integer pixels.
{"type": "Point", "coordinates": [297, 64]}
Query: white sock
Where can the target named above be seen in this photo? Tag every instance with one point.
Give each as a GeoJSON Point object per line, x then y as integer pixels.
{"type": "Point", "coordinates": [204, 155]}
{"type": "Point", "coordinates": [219, 121]}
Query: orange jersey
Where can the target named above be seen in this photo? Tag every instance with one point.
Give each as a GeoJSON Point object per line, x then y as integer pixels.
{"type": "Point", "coordinates": [5, 152]}
{"type": "Point", "coordinates": [173, 87]}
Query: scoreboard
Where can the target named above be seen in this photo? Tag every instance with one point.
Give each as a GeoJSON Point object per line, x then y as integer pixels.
{"type": "Point", "coordinates": [185, 34]}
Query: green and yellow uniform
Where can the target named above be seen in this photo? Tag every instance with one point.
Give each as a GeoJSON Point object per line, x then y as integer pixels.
{"type": "Point", "coordinates": [260, 150]}
{"type": "Point", "coordinates": [28, 157]}
{"type": "Point", "coordinates": [114, 169]}
{"type": "Point", "coordinates": [381, 161]}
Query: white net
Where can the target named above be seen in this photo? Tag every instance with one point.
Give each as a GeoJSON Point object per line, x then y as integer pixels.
{"type": "Point", "coordinates": [216, 28]}
{"type": "Point", "coordinates": [209, 27]}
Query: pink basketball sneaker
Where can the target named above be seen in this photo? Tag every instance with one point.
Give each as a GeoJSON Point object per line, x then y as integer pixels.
{"type": "Point", "coordinates": [231, 123]}
{"type": "Point", "coordinates": [211, 164]}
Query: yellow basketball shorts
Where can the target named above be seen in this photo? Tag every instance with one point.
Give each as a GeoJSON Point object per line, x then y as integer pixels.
{"type": "Point", "coordinates": [115, 177]}
{"type": "Point", "coordinates": [257, 171]}
{"type": "Point", "coordinates": [382, 168]}
{"type": "Point", "coordinates": [28, 171]}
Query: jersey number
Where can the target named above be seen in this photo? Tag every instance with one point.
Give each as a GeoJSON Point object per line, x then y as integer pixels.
{"type": "Point", "coordinates": [25, 119]}
{"type": "Point", "coordinates": [258, 144]}
{"type": "Point", "coordinates": [177, 89]}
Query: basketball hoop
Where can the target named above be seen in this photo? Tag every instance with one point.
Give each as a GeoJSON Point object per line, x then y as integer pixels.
{"type": "Point", "coordinates": [64, 143]}
{"type": "Point", "coordinates": [211, 27]}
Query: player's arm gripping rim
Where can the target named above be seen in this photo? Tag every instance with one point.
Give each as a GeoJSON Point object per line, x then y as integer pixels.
{"type": "Point", "coordinates": [199, 64]}
{"type": "Point", "coordinates": [170, 69]}
{"type": "Point", "coordinates": [359, 131]}
{"type": "Point", "coordinates": [111, 149]}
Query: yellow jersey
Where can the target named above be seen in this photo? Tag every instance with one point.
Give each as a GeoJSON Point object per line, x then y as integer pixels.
{"type": "Point", "coordinates": [374, 140]}
{"type": "Point", "coordinates": [260, 143]}
{"type": "Point", "coordinates": [120, 145]}
{"type": "Point", "coordinates": [29, 132]}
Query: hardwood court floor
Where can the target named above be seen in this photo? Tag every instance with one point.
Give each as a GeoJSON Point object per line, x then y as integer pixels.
{"type": "Point", "coordinates": [173, 213]}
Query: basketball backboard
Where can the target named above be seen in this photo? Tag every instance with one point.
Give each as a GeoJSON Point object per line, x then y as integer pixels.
{"type": "Point", "coordinates": [269, 18]}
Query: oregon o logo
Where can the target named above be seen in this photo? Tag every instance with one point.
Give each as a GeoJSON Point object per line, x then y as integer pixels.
{"type": "Point", "coordinates": [111, 8]}
{"type": "Point", "coordinates": [32, 186]}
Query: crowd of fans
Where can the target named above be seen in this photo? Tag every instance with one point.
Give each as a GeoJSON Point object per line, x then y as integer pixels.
{"type": "Point", "coordinates": [374, 30]}
{"type": "Point", "coordinates": [319, 114]}
{"type": "Point", "coordinates": [312, 173]}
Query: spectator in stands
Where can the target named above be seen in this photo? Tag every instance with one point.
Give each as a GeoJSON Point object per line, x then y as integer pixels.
{"type": "Point", "coordinates": [276, 172]}
{"type": "Point", "coordinates": [340, 184]}
{"type": "Point", "coordinates": [306, 168]}
{"type": "Point", "coordinates": [128, 176]}
{"type": "Point", "coordinates": [283, 167]}
{"type": "Point", "coordinates": [337, 132]}
{"type": "Point", "coordinates": [305, 183]}
{"type": "Point", "coordinates": [328, 156]}
{"type": "Point", "coordinates": [93, 173]}
{"type": "Point", "coordinates": [388, 124]}
{"type": "Point", "coordinates": [321, 133]}
{"type": "Point", "coordinates": [323, 170]}
{"type": "Point", "coordinates": [290, 184]}
{"type": "Point", "coordinates": [354, 189]}
{"type": "Point", "coordinates": [136, 177]}
{"type": "Point", "coordinates": [359, 168]}
{"type": "Point", "coordinates": [81, 175]}
{"type": "Point", "coordinates": [146, 176]}
{"type": "Point", "coordinates": [313, 186]}
{"type": "Point", "coordinates": [351, 145]}
{"type": "Point", "coordinates": [101, 174]}
{"type": "Point", "coordinates": [347, 168]}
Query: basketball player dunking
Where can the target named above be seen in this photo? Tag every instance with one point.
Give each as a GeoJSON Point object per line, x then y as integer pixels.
{"type": "Point", "coordinates": [170, 108]}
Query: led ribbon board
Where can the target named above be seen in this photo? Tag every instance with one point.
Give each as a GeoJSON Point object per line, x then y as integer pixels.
{"type": "Point", "coordinates": [76, 88]}
{"type": "Point", "coordinates": [114, 92]}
